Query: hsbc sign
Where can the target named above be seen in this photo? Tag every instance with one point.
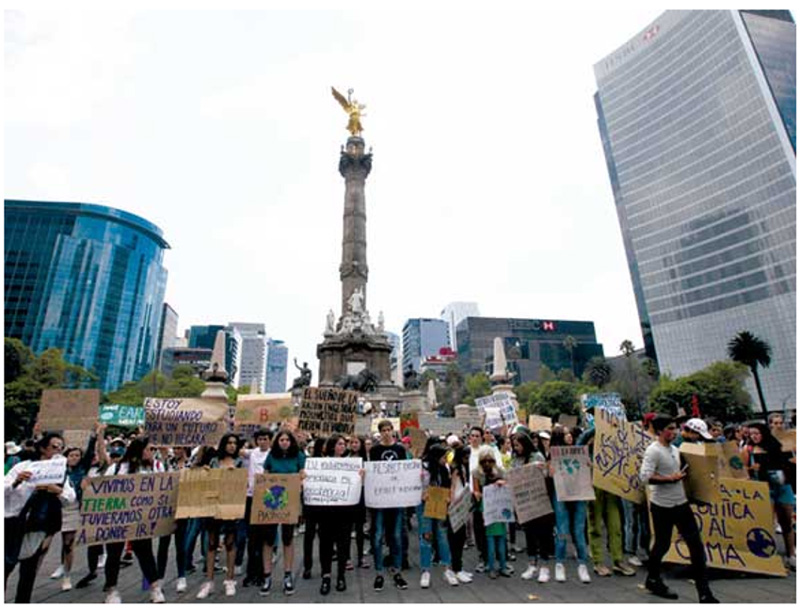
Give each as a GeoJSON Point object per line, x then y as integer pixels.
{"type": "Point", "coordinates": [535, 325]}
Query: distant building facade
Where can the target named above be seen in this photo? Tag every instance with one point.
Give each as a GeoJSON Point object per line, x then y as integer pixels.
{"type": "Point", "coordinates": [87, 279]}
{"type": "Point", "coordinates": [199, 358]}
{"type": "Point", "coordinates": [423, 337]}
{"type": "Point", "coordinates": [204, 336]}
{"type": "Point", "coordinates": [252, 354]}
{"type": "Point", "coordinates": [277, 366]}
{"type": "Point", "coordinates": [453, 313]}
{"type": "Point", "coordinates": [167, 331]}
{"type": "Point", "coordinates": [528, 344]}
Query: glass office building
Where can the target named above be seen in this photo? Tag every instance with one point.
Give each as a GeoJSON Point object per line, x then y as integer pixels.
{"type": "Point", "coordinates": [423, 337]}
{"type": "Point", "coordinates": [86, 279]}
{"type": "Point", "coordinates": [697, 120]}
{"type": "Point", "coordinates": [277, 366]}
{"type": "Point", "coordinates": [528, 344]}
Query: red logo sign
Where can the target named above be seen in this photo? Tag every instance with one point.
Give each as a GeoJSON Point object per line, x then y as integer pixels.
{"type": "Point", "coordinates": [551, 326]}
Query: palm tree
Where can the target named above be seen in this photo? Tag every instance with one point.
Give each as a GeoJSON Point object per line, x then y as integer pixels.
{"type": "Point", "coordinates": [598, 371]}
{"type": "Point", "coordinates": [570, 343]}
{"type": "Point", "coordinates": [627, 348]}
{"type": "Point", "coordinates": [751, 351]}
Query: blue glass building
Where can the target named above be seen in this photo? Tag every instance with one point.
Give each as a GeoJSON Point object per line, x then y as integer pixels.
{"type": "Point", "coordinates": [86, 279]}
{"type": "Point", "coordinates": [697, 120]}
{"type": "Point", "coordinates": [423, 337]}
{"type": "Point", "coordinates": [277, 366]}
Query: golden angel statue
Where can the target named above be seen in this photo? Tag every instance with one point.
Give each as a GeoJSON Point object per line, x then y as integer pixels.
{"type": "Point", "coordinates": [352, 108]}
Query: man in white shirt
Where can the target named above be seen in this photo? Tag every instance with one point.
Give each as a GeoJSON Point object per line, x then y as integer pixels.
{"type": "Point", "coordinates": [661, 470]}
{"type": "Point", "coordinates": [255, 533]}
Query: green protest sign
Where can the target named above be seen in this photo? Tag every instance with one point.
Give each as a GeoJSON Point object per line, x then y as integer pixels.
{"type": "Point", "coordinates": [122, 415]}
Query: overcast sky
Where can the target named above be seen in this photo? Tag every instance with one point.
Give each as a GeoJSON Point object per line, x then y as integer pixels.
{"type": "Point", "coordinates": [488, 184]}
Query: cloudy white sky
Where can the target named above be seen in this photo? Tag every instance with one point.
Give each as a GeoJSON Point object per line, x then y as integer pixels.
{"type": "Point", "coordinates": [488, 183]}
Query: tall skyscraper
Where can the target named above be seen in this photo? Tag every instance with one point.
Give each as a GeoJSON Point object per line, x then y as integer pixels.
{"type": "Point", "coordinates": [697, 119]}
{"type": "Point", "coordinates": [86, 279]}
{"type": "Point", "coordinates": [453, 313]}
{"type": "Point", "coordinates": [423, 337]}
{"type": "Point", "coordinates": [252, 354]}
{"type": "Point", "coordinates": [277, 365]}
{"type": "Point", "coordinates": [167, 332]}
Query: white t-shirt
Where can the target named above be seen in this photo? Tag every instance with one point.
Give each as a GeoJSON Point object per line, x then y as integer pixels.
{"type": "Point", "coordinates": [256, 459]}
{"type": "Point", "coordinates": [663, 461]}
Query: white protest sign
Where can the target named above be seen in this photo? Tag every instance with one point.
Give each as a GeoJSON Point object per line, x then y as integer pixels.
{"type": "Point", "coordinates": [494, 420]}
{"type": "Point", "coordinates": [498, 504]}
{"type": "Point", "coordinates": [610, 402]}
{"type": "Point", "coordinates": [332, 482]}
{"type": "Point", "coordinates": [460, 509]}
{"type": "Point", "coordinates": [48, 472]}
{"type": "Point", "coordinates": [503, 402]}
{"type": "Point", "coordinates": [572, 473]}
{"type": "Point", "coordinates": [393, 484]}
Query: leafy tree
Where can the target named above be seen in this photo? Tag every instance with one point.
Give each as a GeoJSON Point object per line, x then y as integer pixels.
{"type": "Point", "coordinates": [751, 351]}
{"type": "Point", "coordinates": [627, 348]}
{"type": "Point", "coordinates": [425, 377]}
{"type": "Point", "coordinates": [565, 375]}
{"type": "Point", "coordinates": [17, 357]}
{"type": "Point", "coordinates": [526, 393]}
{"type": "Point", "coordinates": [546, 374]}
{"type": "Point", "coordinates": [475, 386]}
{"type": "Point", "coordinates": [598, 372]}
{"type": "Point", "coordinates": [554, 398]}
{"type": "Point", "coordinates": [454, 389]}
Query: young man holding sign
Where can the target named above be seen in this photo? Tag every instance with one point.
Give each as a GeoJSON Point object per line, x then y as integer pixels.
{"type": "Point", "coordinates": [661, 470]}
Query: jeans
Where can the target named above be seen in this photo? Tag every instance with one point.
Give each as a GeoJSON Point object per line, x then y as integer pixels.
{"type": "Point", "coordinates": [496, 547]}
{"type": "Point", "coordinates": [605, 509]}
{"type": "Point", "coordinates": [194, 528]}
{"type": "Point", "coordinates": [637, 535]}
{"type": "Point", "coordinates": [392, 520]}
{"type": "Point", "coordinates": [570, 518]}
{"type": "Point", "coordinates": [428, 528]}
{"type": "Point", "coordinates": [680, 516]}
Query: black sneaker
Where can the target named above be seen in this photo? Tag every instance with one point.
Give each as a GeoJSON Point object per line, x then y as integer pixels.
{"type": "Point", "coordinates": [306, 574]}
{"type": "Point", "coordinates": [267, 586]}
{"type": "Point", "coordinates": [325, 587]}
{"type": "Point", "coordinates": [378, 584]}
{"type": "Point", "coordinates": [341, 584]}
{"type": "Point", "coordinates": [657, 587]}
{"type": "Point", "coordinates": [707, 597]}
{"type": "Point", "coordinates": [400, 582]}
{"type": "Point", "coordinates": [249, 580]}
{"type": "Point", "coordinates": [288, 584]}
{"type": "Point", "coordinates": [84, 582]}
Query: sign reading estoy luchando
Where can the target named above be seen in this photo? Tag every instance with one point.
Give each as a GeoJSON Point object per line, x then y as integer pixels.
{"type": "Point", "coordinates": [393, 484]}
{"type": "Point", "coordinates": [185, 421]}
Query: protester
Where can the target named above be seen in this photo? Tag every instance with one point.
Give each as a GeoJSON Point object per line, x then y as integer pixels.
{"type": "Point", "coordinates": [669, 507]}
{"type": "Point", "coordinates": [284, 457]}
{"type": "Point", "coordinates": [32, 515]}
{"type": "Point", "coordinates": [476, 436]}
{"type": "Point", "coordinates": [255, 459]}
{"type": "Point", "coordinates": [389, 518]}
{"type": "Point", "coordinates": [459, 485]}
{"type": "Point", "coordinates": [311, 517]}
{"type": "Point", "coordinates": [227, 458]}
{"type": "Point", "coordinates": [766, 461]}
{"type": "Point", "coordinates": [177, 462]}
{"type": "Point", "coordinates": [11, 454]}
{"type": "Point", "coordinates": [489, 472]}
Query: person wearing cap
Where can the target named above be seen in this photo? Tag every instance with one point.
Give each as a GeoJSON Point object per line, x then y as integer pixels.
{"type": "Point", "coordinates": [11, 456]}
{"type": "Point", "coordinates": [669, 507]}
{"type": "Point", "coordinates": [695, 430]}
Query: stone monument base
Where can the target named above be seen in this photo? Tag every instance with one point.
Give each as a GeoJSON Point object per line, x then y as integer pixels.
{"type": "Point", "coordinates": [346, 354]}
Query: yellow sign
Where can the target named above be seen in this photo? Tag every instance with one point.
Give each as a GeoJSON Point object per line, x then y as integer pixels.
{"type": "Point", "coordinates": [737, 530]}
{"type": "Point", "coordinates": [436, 503]}
{"type": "Point", "coordinates": [618, 450]}
{"type": "Point", "coordinates": [702, 476]}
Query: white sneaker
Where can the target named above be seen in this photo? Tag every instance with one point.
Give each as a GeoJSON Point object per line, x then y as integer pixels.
{"type": "Point", "coordinates": [59, 573]}
{"type": "Point", "coordinates": [451, 577]}
{"type": "Point", "coordinates": [635, 561]}
{"type": "Point", "coordinates": [113, 597]}
{"type": "Point", "coordinates": [66, 583]}
{"type": "Point", "coordinates": [544, 574]}
{"type": "Point", "coordinates": [464, 577]}
{"type": "Point", "coordinates": [206, 589]}
{"type": "Point", "coordinates": [230, 588]}
{"type": "Point", "coordinates": [101, 563]}
{"type": "Point", "coordinates": [793, 562]}
{"type": "Point", "coordinates": [157, 595]}
{"type": "Point", "coordinates": [583, 573]}
{"type": "Point", "coordinates": [561, 573]}
{"type": "Point", "coordinates": [425, 580]}
{"type": "Point", "coordinates": [480, 568]}
{"type": "Point", "coordinates": [529, 572]}
{"type": "Point", "coordinates": [180, 585]}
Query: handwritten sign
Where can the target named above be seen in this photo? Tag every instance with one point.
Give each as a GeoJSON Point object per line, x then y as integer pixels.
{"type": "Point", "coordinates": [122, 415]}
{"type": "Point", "coordinates": [69, 409]}
{"type": "Point", "coordinates": [393, 484]}
{"type": "Point", "coordinates": [186, 422]}
{"type": "Point", "coordinates": [460, 510]}
{"type": "Point", "coordinates": [332, 481]}
{"type": "Point", "coordinates": [76, 438]}
{"type": "Point", "coordinates": [572, 473]}
{"type": "Point", "coordinates": [568, 421]}
{"type": "Point", "coordinates": [610, 402]}
{"type": "Point", "coordinates": [418, 441]}
{"type": "Point", "coordinates": [737, 530]}
{"type": "Point", "coordinates": [529, 490]}
{"type": "Point", "coordinates": [498, 504]}
{"type": "Point", "coordinates": [324, 411]}
{"type": "Point", "coordinates": [48, 472]}
{"type": "Point", "coordinates": [618, 451]}
{"type": "Point", "coordinates": [276, 499]}
{"type": "Point", "coordinates": [540, 423]}
{"type": "Point", "coordinates": [702, 476]}
{"type": "Point", "coordinates": [219, 493]}
{"type": "Point", "coordinates": [492, 418]}
{"type": "Point", "coordinates": [128, 507]}
{"type": "Point", "coordinates": [263, 409]}
{"type": "Point", "coordinates": [503, 402]}
{"type": "Point", "coordinates": [436, 503]}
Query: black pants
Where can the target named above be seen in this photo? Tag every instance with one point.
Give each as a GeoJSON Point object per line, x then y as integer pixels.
{"type": "Point", "coordinates": [479, 530]}
{"type": "Point", "coordinates": [539, 537]}
{"type": "Point", "coordinates": [456, 541]}
{"type": "Point", "coordinates": [93, 554]}
{"type": "Point", "coordinates": [27, 573]}
{"type": "Point", "coordinates": [335, 531]}
{"type": "Point", "coordinates": [143, 549]}
{"type": "Point", "coordinates": [680, 516]}
{"type": "Point", "coordinates": [312, 527]}
{"type": "Point", "coordinates": [360, 519]}
{"type": "Point", "coordinates": [180, 550]}
{"type": "Point", "coordinates": [255, 544]}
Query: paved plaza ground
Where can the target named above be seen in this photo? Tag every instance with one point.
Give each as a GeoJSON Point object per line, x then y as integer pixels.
{"type": "Point", "coordinates": [729, 587]}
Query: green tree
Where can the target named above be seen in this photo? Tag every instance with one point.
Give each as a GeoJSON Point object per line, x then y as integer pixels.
{"type": "Point", "coordinates": [554, 398]}
{"type": "Point", "coordinates": [546, 374]}
{"type": "Point", "coordinates": [454, 390]}
{"type": "Point", "coordinates": [18, 357]}
{"type": "Point", "coordinates": [597, 372]}
{"type": "Point", "coordinates": [475, 386]}
{"type": "Point", "coordinates": [751, 351]}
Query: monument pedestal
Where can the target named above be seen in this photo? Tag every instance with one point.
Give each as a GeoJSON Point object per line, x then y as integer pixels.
{"type": "Point", "coordinates": [346, 354]}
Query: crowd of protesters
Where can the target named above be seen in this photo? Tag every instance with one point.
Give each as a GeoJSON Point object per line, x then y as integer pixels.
{"type": "Point", "coordinates": [464, 461]}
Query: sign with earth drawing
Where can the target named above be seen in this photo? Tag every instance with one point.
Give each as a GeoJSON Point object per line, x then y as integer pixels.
{"type": "Point", "coordinates": [572, 473]}
{"type": "Point", "coordinates": [276, 499]}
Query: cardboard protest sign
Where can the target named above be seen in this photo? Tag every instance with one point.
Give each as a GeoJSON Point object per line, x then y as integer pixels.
{"type": "Point", "coordinates": [568, 421]}
{"type": "Point", "coordinates": [529, 490]}
{"type": "Point", "coordinates": [76, 438]}
{"type": "Point", "coordinates": [328, 410]}
{"type": "Point", "coordinates": [737, 530]}
{"type": "Point", "coordinates": [276, 499]}
{"type": "Point", "coordinates": [618, 451]}
{"type": "Point", "coordinates": [263, 409]}
{"type": "Point", "coordinates": [731, 465]}
{"type": "Point", "coordinates": [702, 475]}
{"type": "Point", "coordinates": [363, 425]}
{"type": "Point", "coordinates": [436, 503]}
{"type": "Point", "coordinates": [332, 481]}
{"type": "Point", "coordinates": [409, 420]}
{"type": "Point", "coordinates": [48, 472]}
{"type": "Point", "coordinates": [127, 507]}
{"type": "Point", "coordinates": [493, 420]}
{"type": "Point", "coordinates": [460, 510]}
{"type": "Point", "coordinates": [504, 403]}
{"type": "Point", "coordinates": [498, 504]}
{"type": "Point", "coordinates": [218, 493]}
{"type": "Point", "coordinates": [393, 484]}
{"type": "Point", "coordinates": [788, 439]}
{"type": "Point", "coordinates": [572, 473]}
{"type": "Point", "coordinates": [185, 422]}
{"type": "Point", "coordinates": [539, 423]}
{"type": "Point", "coordinates": [122, 415]}
{"type": "Point", "coordinates": [418, 441]}
{"type": "Point", "coordinates": [69, 409]}
{"type": "Point", "coordinates": [395, 421]}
